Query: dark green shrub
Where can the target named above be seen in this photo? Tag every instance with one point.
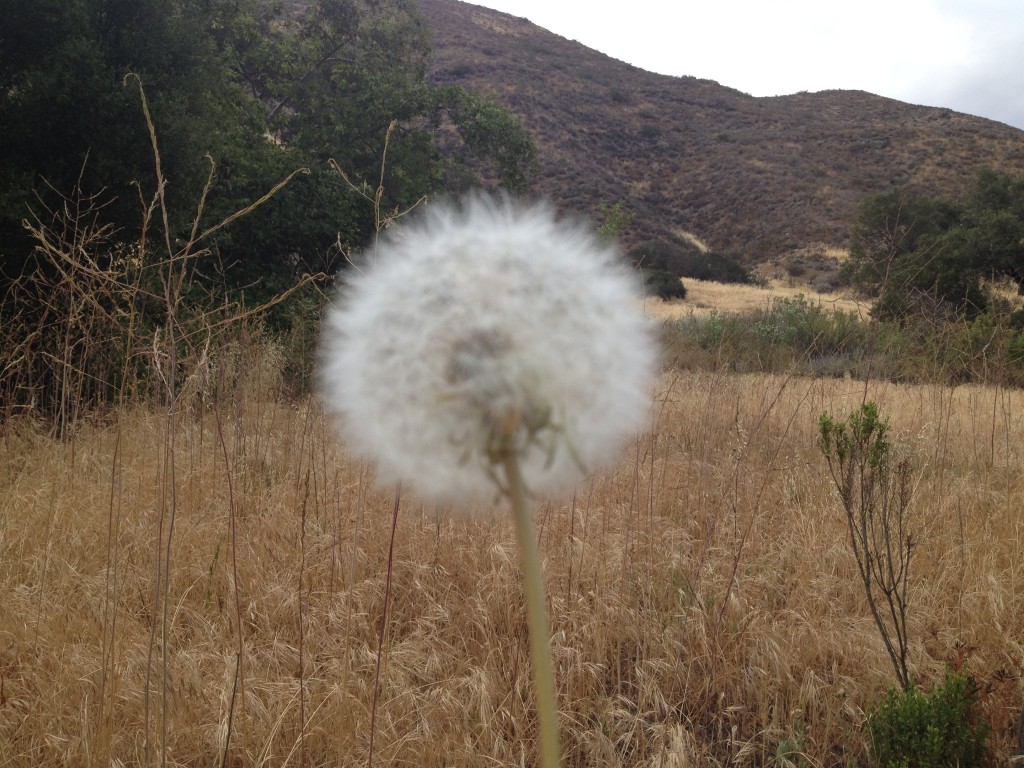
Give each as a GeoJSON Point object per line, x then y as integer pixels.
{"type": "Point", "coordinates": [664, 285]}
{"type": "Point", "coordinates": [686, 260]}
{"type": "Point", "coordinates": [1017, 319]}
{"type": "Point", "coordinates": [940, 729]}
{"type": "Point", "coordinates": [719, 267]}
{"type": "Point", "coordinates": [924, 255]}
{"type": "Point", "coordinates": [1015, 353]}
{"type": "Point", "coordinates": [650, 131]}
{"type": "Point", "coordinates": [620, 95]}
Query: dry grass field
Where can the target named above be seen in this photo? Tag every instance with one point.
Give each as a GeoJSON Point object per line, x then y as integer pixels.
{"type": "Point", "coordinates": [207, 587]}
{"type": "Point", "coordinates": [706, 296]}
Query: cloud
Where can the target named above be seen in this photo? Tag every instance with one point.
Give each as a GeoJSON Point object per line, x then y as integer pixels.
{"type": "Point", "coordinates": [986, 81]}
{"type": "Point", "coordinates": [967, 55]}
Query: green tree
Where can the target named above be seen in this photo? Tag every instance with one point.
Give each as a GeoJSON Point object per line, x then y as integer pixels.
{"type": "Point", "coordinates": [344, 76]}
{"type": "Point", "coordinates": [993, 222]}
{"type": "Point", "coordinates": [258, 88]}
{"type": "Point", "coordinates": [490, 131]}
{"type": "Point", "coordinates": [918, 254]}
{"type": "Point", "coordinates": [889, 227]}
{"type": "Point", "coordinates": [67, 118]}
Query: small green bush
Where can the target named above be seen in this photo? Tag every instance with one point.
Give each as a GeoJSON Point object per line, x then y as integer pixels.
{"type": "Point", "coordinates": [664, 285]}
{"type": "Point", "coordinates": [620, 95]}
{"type": "Point", "coordinates": [686, 260]}
{"type": "Point", "coordinates": [941, 729]}
{"type": "Point", "coordinates": [797, 335]}
{"type": "Point", "coordinates": [1015, 354]}
{"type": "Point", "coordinates": [650, 131]}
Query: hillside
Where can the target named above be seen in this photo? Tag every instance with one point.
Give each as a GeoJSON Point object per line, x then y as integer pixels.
{"type": "Point", "coordinates": [757, 177]}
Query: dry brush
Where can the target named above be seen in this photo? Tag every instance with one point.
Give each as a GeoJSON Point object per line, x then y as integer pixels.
{"type": "Point", "coordinates": [705, 607]}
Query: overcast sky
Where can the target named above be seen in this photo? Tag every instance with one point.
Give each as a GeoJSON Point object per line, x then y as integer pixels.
{"type": "Point", "coordinates": [967, 55]}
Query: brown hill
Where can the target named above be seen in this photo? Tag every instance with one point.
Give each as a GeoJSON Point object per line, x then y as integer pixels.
{"type": "Point", "coordinates": [756, 177]}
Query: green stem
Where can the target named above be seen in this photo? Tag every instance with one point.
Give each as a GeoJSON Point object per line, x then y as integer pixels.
{"type": "Point", "coordinates": [536, 614]}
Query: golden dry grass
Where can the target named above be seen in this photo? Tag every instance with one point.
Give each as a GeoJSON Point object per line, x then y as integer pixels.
{"type": "Point", "coordinates": [706, 296]}
{"type": "Point", "coordinates": [703, 601]}
{"type": "Point", "coordinates": [692, 238]}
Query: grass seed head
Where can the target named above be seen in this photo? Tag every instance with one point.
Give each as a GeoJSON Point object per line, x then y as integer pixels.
{"type": "Point", "coordinates": [484, 328]}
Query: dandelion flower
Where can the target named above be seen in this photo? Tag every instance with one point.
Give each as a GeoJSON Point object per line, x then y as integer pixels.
{"type": "Point", "coordinates": [491, 349]}
{"type": "Point", "coordinates": [484, 329]}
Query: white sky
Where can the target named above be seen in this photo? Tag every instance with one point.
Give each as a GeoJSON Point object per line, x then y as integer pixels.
{"type": "Point", "coordinates": [967, 55]}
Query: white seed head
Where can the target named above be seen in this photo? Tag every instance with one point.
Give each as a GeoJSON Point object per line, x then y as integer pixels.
{"type": "Point", "coordinates": [481, 329]}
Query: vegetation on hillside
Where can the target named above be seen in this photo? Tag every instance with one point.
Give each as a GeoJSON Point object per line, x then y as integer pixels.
{"type": "Point", "coordinates": [250, 91]}
{"type": "Point", "coordinates": [943, 279]}
{"type": "Point", "coordinates": [684, 259]}
{"type": "Point", "coordinates": [169, 168]}
{"type": "Point", "coordinates": [752, 177]}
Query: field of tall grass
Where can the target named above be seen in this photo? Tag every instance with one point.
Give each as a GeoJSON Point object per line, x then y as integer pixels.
{"type": "Point", "coordinates": [194, 571]}
{"type": "Point", "coordinates": [219, 583]}
{"type": "Point", "coordinates": [704, 297]}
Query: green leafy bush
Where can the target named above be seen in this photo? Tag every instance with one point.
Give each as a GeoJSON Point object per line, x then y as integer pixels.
{"type": "Point", "coordinates": [875, 486]}
{"type": "Point", "coordinates": [686, 260]}
{"type": "Point", "coordinates": [788, 333]}
{"type": "Point", "coordinates": [940, 729]}
{"type": "Point", "coordinates": [798, 335]}
{"type": "Point", "coordinates": [1015, 353]}
{"type": "Point", "coordinates": [923, 255]}
{"type": "Point", "coordinates": [664, 285]}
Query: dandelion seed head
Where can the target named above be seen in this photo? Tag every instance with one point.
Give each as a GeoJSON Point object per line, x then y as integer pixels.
{"type": "Point", "coordinates": [482, 329]}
